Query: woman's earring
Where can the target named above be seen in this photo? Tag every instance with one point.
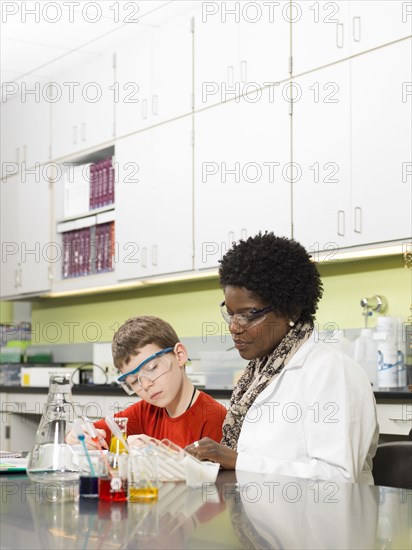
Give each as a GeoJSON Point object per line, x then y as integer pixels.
{"type": "Point", "coordinates": [291, 323]}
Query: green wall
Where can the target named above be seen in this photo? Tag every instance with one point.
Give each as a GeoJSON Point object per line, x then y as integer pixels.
{"type": "Point", "coordinates": [192, 307]}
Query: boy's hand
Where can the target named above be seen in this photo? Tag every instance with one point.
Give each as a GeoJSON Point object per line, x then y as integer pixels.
{"type": "Point", "coordinates": [207, 449]}
{"type": "Point", "coordinates": [71, 439]}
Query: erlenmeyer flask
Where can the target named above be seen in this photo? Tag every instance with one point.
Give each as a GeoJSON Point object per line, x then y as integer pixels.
{"type": "Point", "coordinates": [51, 458]}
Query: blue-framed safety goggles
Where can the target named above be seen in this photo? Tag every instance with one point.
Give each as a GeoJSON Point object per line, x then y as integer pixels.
{"type": "Point", "coordinates": [123, 377]}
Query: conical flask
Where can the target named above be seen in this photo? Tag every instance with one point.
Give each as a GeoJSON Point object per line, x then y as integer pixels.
{"type": "Point", "coordinates": [51, 458]}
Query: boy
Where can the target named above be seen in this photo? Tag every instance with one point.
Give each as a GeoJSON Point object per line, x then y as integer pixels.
{"type": "Point", "coordinates": [152, 360]}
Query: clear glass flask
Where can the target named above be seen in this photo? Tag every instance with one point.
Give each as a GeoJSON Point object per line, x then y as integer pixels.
{"type": "Point", "coordinates": [51, 458]}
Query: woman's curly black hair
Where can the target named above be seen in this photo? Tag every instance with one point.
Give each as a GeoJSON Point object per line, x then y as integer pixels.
{"type": "Point", "coordinates": [278, 270]}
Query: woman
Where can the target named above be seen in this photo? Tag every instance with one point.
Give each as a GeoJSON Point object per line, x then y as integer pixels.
{"type": "Point", "coordinates": [301, 408]}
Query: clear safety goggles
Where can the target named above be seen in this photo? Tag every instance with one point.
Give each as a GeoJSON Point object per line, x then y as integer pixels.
{"type": "Point", "coordinates": [248, 319]}
{"type": "Point", "coordinates": [149, 370]}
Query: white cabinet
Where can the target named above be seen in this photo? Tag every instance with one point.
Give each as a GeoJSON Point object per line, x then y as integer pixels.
{"type": "Point", "coordinates": [321, 151]}
{"type": "Point", "coordinates": [374, 24]}
{"type": "Point", "coordinates": [242, 174]}
{"type": "Point", "coordinates": [354, 149]}
{"type": "Point", "coordinates": [154, 76]}
{"type": "Point", "coordinates": [239, 47]}
{"type": "Point", "coordinates": [154, 201]}
{"type": "Point", "coordinates": [319, 34]}
{"type": "Point", "coordinates": [25, 231]}
{"type": "Point", "coordinates": [25, 130]}
{"type": "Point", "coordinates": [84, 115]}
{"type": "Point", "coordinates": [381, 138]}
{"type": "Point", "coordinates": [325, 32]}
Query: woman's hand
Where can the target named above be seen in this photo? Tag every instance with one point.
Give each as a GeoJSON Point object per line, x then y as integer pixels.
{"type": "Point", "coordinates": [72, 439]}
{"type": "Point", "coordinates": [207, 449]}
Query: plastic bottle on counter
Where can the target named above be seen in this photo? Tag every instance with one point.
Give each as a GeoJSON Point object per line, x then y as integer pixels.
{"type": "Point", "coordinates": [391, 359]}
{"type": "Point", "coordinates": [365, 352]}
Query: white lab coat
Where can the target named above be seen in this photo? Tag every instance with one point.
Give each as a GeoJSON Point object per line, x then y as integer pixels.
{"type": "Point", "coordinates": [317, 420]}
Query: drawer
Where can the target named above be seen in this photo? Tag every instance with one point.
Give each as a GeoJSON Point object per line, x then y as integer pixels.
{"type": "Point", "coordinates": [395, 418]}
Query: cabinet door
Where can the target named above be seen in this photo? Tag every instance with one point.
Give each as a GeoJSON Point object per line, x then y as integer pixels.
{"type": "Point", "coordinates": [172, 86]}
{"type": "Point", "coordinates": [154, 201]}
{"type": "Point", "coordinates": [381, 144]}
{"type": "Point", "coordinates": [134, 176]}
{"type": "Point", "coordinates": [319, 34]}
{"type": "Point", "coordinates": [264, 44]}
{"type": "Point", "coordinates": [373, 24]}
{"type": "Point", "coordinates": [35, 230]}
{"type": "Point", "coordinates": [10, 255]}
{"type": "Point", "coordinates": [26, 236]}
{"type": "Point", "coordinates": [169, 217]}
{"type": "Point", "coordinates": [321, 151]}
{"type": "Point", "coordinates": [25, 128]}
{"type": "Point", "coordinates": [66, 114]}
{"type": "Point", "coordinates": [11, 153]}
{"type": "Point", "coordinates": [133, 81]}
{"type": "Point", "coordinates": [242, 151]}
{"type": "Point", "coordinates": [97, 104]}
{"type": "Point", "coordinates": [216, 53]}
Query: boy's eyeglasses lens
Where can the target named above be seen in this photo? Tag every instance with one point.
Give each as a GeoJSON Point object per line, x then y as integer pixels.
{"type": "Point", "coordinates": [152, 371]}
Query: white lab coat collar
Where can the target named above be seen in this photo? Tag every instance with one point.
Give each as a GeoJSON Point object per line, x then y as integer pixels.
{"type": "Point", "coordinates": [296, 361]}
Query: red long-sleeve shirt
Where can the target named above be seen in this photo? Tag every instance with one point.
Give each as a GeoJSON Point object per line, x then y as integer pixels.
{"type": "Point", "coordinates": [203, 419]}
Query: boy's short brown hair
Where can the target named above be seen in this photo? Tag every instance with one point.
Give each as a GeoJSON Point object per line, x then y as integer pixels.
{"type": "Point", "coordinates": [138, 332]}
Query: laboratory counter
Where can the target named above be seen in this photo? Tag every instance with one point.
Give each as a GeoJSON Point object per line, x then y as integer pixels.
{"type": "Point", "coordinates": [224, 394]}
{"type": "Point", "coordinates": [242, 510]}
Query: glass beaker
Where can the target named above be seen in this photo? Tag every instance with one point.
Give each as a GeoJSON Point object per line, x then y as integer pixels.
{"type": "Point", "coordinates": [51, 458]}
{"type": "Point", "coordinates": [116, 445]}
{"type": "Point", "coordinates": [143, 477]}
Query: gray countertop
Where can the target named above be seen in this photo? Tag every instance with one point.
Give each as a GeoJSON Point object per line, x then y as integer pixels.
{"type": "Point", "coordinates": [114, 389]}
{"type": "Point", "coordinates": [240, 511]}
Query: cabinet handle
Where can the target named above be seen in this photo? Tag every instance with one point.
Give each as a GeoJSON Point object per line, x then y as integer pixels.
{"type": "Point", "coordinates": [154, 255]}
{"type": "Point", "coordinates": [231, 236]}
{"type": "Point", "coordinates": [243, 71]}
{"type": "Point", "coordinates": [144, 256]}
{"type": "Point", "coordinates": [356, 28]}
{"type": "Point", "coordinates": [74, 135]}
{"type": "Point", "coordinates": [144, 108]}
{"type": "Point", "coordinates": [358, 220]}
{"type": "Point", "coordinates": [231, 75]}
{"type": "Point", "coordinates": [398, 419]}
{"type": "Point", "coordinates": [16, 278]}
{"type": "Point", "coordinates": [50, 273]}
{"type": "Point", "coordinates": [155, 105]}
{"type": "Point", "coordinates": [24, 154]}
{"type": "Point", "coordinates": [243, 234]}
{"type": "Point", "coordinates": [339, 35]}
{"type": "Point", "coordinates": [83, 131]}
{"type": "Point", "coordinates": [341, 223]}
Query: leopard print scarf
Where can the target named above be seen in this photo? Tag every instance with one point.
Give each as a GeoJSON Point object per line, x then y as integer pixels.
{"type": "Point", "coordinates": [258, 374]}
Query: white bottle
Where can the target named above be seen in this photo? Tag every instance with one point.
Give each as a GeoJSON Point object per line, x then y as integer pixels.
{"type": "Point", "coordinates": [365, 352]}
{"type": "Point", "coordinates": [390, 358]}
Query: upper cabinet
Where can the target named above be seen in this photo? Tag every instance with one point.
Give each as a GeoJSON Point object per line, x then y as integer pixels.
{"type": "Point", "coordinates": [325, 32]}
{"type": "Point", "coordinates": [239, 48]}
{"type": "Point", "coordinates": [381, 144]}
{"type": "Point", "coordinates": [27, 249]}
{"type": "Point", "coordinates": [154, 223]}
{"type": "Point", "coordinates": [83, 116]}
{"type": "Point", "coordinates": [242, 174]}
{"type": "Point", "coordinates": [25, 128]}
{"type": "Point", "coordinates": [154, 73]}
{"type": "Point", "coordinates": [352, 146]}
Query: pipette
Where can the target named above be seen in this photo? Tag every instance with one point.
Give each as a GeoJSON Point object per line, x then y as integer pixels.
{"type": "Point", "coordinates": [78, 430]}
